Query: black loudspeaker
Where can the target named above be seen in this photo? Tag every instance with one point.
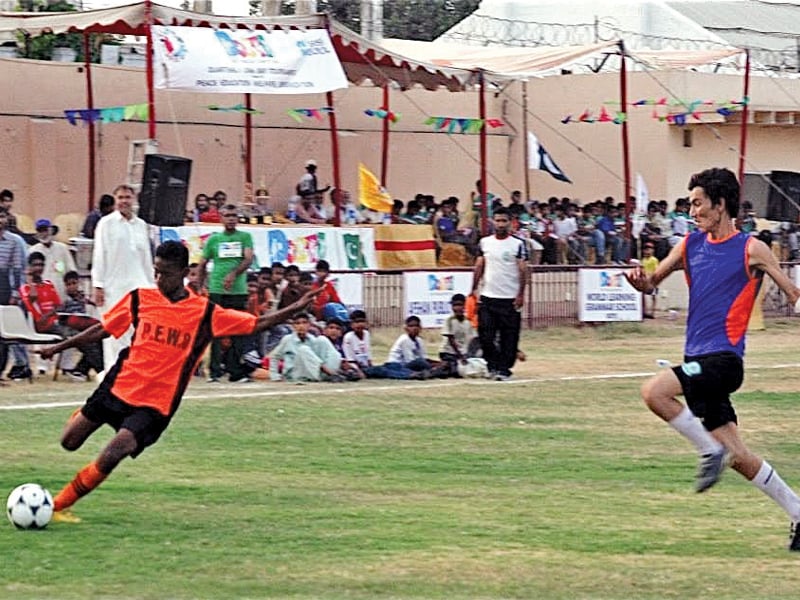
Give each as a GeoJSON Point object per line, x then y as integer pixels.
{"type": "Point", "coordinates": [165, 185]}
{"type": "Point", "coordinates": [756, 190]}
{"type": "Point", "coordinates": [778, 207]}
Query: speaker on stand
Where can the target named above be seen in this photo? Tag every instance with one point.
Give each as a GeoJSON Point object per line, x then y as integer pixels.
{"type": "Point", "coordinates": [165, 186]}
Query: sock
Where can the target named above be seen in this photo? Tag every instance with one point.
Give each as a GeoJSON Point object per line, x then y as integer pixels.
{"type": "Point", "coordinates": [769, 482]}
{"type": "Point", "coordinates": [88, 478]}
{"type": "Point", "coordinates": [692, 429]}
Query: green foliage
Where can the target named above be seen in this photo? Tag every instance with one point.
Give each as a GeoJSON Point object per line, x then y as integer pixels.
{"type": "Point", "coordinates": [41, 47]}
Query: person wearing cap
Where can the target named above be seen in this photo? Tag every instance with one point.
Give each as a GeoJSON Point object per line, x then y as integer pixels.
{"type": "Point", "coordinates": [308, 187]}
{"type": "Point", "coordinates": [58, 259]}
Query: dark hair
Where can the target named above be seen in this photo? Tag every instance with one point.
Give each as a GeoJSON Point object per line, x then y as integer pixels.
{"type": "Point", "coordinates": [291, 269]}
{"type": "Point", "coordinates": [358, 315]}
{"type": "Point", "coordinates": [305, 277]}
{"type": "Point", "coordinates": [334, 321]}
{"type": "Point", "coordinates": [413, 320]}
{"type": "Point", "coordinates": [265, 271]}
{"type": "Point", "coordinates": [193, 265]}
{"type": "Point", "coordinates": [106, 201]}
{"type": "Point", "coordinates": [301, 315]}
{"type": "Point", "coordinates": [323, 265]}
{"type": "Point", "coordinates": [174, 252]}
{"type": "Point", "coordinates": [277, 265]}
{"type": "Point", "coordinates": [71, 276]}
{"type": "Point", "coordinates": [458, 299]}
{"type": "Point", "coordinates": [502, 210]}
{"type": "Point", "coordinates": [718, 184]}
{"type": "Point", "coordinates": [252, 277]}
{"type": "Point", "coordinates": [7, 194]}
{"type": "Point", "coordinates": [35, 256]}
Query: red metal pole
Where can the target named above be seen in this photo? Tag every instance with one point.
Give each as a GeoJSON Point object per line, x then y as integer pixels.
{"type": "Point", "coordinates": [626, 159]}
{"type": "Point", "coordinates": [385, 143]}
{"type": "Point", "coordinates": [248, 140]}
{"type": "Point", "coordinates": [743, 126]}
{"type": "Point", "coordinates": [87, 65]}
{"type": "Point", "coordinates": [151, 98]}
{"type": "Point", "coordinates": [337, 180]}
{"type": "Point", "coordinates": [484, 183]}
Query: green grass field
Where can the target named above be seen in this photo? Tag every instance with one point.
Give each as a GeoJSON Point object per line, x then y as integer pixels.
{"type": "Point", "coordinates": [557, 485]}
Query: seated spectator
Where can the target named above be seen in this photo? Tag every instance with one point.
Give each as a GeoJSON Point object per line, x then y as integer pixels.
{"type": "Point", "coordinates": [413, 214]}
{"type": "Point", "coordinates": [298, 284]}
{"type": "Point", "coordinates": [306, 357]}
{"type": "Point", "coordinates": [566, 231]}
{"type": "Point", "coordinates": [205, 211]}
{"type": "Point", "coordinates": [446, 228]}
{"type": "Point", "coordinates": [607, 226]}
{"type": "Point", "coordinates": [680, 222]}
{"type": "Point", "coordinates": [408, 357]}
{"type": "Point", "coordinates": [328, 295]}
{"type": "Point", "coordinates": [748, 224]}
{"type": "Point", "coordinates": [334, 328]}
{"type": "Point", "coordinates": [74, 318]}
{"type": "Point", "coordinates": [458, 333]}
{"type": "Point", "coordinates": [356, 347]}
{"type": "Point", "coordinates": [57, 256]}
{"type": "Point", "coordinates": [193, 283]}
{"type": "Point", "coordinates": [308, 210]}
{"type": "Point", "coordinates": [654, 232]}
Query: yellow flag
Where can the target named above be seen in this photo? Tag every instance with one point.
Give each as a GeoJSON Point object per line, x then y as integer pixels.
{"type": "Point", "coordinates": [370, 192]}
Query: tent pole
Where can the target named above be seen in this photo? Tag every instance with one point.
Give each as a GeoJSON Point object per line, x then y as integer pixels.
{"type": "Point", "coordinates": [87, 65]}
{"type": "Point", "coordinates": [385, 142]}
{"type": "Point", "coordinates": [151, 100]}
{"type": "Point", "coordinates": [743, 126]}
{"type": "Point", "coordinates": [626, 160]}
{"type": "Point", "coordinates": [337, 184]}
{"type": "Point", "coordinates": [525, 149]}
{"type": "Point", "coordinates": [484, 183]}
{"type": "Point", "coordinates": [248, 141]}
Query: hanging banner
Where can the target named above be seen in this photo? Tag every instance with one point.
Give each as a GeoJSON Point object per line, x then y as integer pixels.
{"type": "Point", "coordinates": [288, 61]}
{"type": "Point", "coordinates": [605, 295]}
{"type": "Point", "coordinates": [345, 248]}
{"type": "Point", "coordinates": [427, 294]}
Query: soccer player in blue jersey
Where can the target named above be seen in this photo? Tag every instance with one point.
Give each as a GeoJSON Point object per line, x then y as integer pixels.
{"type": "Point", "coordinates": [724, 269]}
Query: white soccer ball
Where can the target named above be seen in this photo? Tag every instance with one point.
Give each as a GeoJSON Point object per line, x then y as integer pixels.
{"type": "Point", "coordinates": [30, 506]}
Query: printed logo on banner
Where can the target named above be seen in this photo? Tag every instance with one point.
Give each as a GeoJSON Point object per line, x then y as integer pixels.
{"type": "Point", "coordinates": [440, 283]}
{"type": "Point", "coordinates": [244, 45]}
{"type": "Point", "coordinates": [278, 246]}
{"type": "Point", "coordinates": [173, 44]}
{"type": "Point", "coordinates": [610, 280]}
{"type": "Point", "coordinates": [313, 46]}
{"type": "Point", "coordinates": [304, 250]}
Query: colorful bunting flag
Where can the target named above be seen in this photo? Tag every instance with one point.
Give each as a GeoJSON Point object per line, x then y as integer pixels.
{"type": "Point", "coordinates": [298, 113]}
{"type": "Point", "coordinates": [465, 125]}
{"type": "Point", "coordinates": [112, 114]}
{"type": "Point", "coordinates": [235, 108]}
{"type": "Point", "coordinates": [382, 113]}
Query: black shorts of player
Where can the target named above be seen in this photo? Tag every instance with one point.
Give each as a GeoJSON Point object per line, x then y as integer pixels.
{"type": "Point", "coordinates": [146, 424]}
{"type": "Point", "coordinates": [708, 382]}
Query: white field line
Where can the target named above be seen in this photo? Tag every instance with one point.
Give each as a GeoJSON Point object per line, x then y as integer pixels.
{"type": "Point", "coordinates": [226, 391]}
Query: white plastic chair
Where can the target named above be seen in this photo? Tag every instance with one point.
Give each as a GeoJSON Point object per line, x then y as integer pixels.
{"type": "Point", "coordinates": [15, 329]}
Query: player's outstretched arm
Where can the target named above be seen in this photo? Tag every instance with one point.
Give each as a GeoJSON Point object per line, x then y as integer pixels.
{"type": "Point", "coordinates": [761, 257]}
{"type": "Point", "coordinates": [644, 283]}
{"type": "Point", "coordinates": [268, 320]}
{"type": "Point", "coordinates": [87, 336]}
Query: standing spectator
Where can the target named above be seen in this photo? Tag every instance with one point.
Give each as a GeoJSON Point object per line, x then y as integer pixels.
{"type": "Point", "coordinates": [649, 266]}
{"type": "Point", "coordinates": [308, 186]}
{"type": "Point", "coordinates": [231, 254]}
{"type": "Point", "coordinates": [104, 207]}
{"type": "Point", "coordinates": [724, 269]}
{"type": "Point", "coordinates": [57, 257]}
{"type": "Point", "coordinates": [122, 260]}
{"type": "Point", "coordinates": [12, 260]}
{"type": "Point", "coordinates": [502, 268]}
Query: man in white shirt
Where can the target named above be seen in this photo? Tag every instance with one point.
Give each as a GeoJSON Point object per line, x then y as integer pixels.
{"type": "Point", "coordinates": [122, 260]}
{"type": "Point", "coordinates": [57, 257]}
{"type": "Point", "coordinates": [502, 266]}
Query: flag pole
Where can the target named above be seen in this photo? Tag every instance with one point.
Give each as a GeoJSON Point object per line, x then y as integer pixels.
{"type": "Point", "coordinates": [626, 161]}
{"type": "Point", "coordinates": [526, 150]}
{"type": "Point", "coordinates": [484, 183]}
{"type": "Point", "coordinates": [743, 126]}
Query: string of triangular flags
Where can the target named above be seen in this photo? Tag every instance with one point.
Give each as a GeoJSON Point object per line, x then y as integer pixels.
{"type": "Point", "coordinates": [604, 117]}
{"type": "Point", "coordinates": [235, 108]}
{"type": "Point", "coordinates": [382, 113]}
{"type": "Point", "coordinates": [112, 114]}
{"type": "Point", "coordinates": [692, 109]}
{"type": "Point", "coordinates": [465, 125]}
{"type": "Point", "coordinates": [298, 113]}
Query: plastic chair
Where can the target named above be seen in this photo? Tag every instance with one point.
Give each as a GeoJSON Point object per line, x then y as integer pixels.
{"type": "Point", "coordinates": [15, 328]}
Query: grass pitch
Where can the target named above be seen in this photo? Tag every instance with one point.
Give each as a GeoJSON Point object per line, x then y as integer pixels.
{"type": "Point", "coordinates": [558, 485]}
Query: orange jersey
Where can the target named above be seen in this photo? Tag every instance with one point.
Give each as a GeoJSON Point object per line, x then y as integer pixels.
{"type": "Point", "coordinates": [169, 339]}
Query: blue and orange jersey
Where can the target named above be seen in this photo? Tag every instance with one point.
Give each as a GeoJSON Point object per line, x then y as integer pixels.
{"type": "Point", "coordinates": [169, 339]}
{"type": "Point", "coordinates": [722, 291]}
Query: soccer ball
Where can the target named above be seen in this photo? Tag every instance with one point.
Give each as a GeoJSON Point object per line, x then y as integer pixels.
{"type": "Point", "coordinates": [30, 506]}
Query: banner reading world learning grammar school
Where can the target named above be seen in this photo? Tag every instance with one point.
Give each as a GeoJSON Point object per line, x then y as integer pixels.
{"type": "Point", "coordinates": [428, 294]}
{"type": "Point", "coordinates": [605, 295]}
{"type": "Point", "coordinates": [345, 248]}
{"type": "Point", "coordinates": [243, 61]}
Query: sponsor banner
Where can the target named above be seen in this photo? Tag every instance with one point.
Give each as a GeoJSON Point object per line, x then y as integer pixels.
{"type": "Point", "coordinates": [605, 295]}
{"type": "Point", "coordinates": [350, 287]}
{"type": "Point", "coordinates": [204, 59]}
{"type": "Point", "coordinates": [345, 248]}
{"type": "Point", "coordinates": [426, 294]}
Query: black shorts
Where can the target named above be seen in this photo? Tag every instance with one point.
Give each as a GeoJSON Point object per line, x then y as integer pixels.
{"type": "Point", "coordinates": [708, 382]}
{"type": "Point", "coordinates": [146, 424]}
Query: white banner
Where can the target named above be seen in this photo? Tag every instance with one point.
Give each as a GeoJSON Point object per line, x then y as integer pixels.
{"type": "Point", "coordinates": [605, 295]}
{"type": "Point", "coordinates": [286, 61]}
{"type": "Point", "coordinates": [350, 287]}
{"type": "Point", "coordinates": [345, 248]}
{"type": "Point", "coordinates": [427, 294]}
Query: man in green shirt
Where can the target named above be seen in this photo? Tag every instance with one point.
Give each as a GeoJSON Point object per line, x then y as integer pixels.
{"type": "Point", "coordinates": [231, 254]}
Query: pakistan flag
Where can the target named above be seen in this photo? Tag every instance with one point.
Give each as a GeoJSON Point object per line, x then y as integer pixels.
{"type": "Point", "coordinates": [354, 252]}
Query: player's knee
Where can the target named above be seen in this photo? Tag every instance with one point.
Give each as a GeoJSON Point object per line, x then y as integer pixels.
{"type": "Point", "coordinates": [70, 442]}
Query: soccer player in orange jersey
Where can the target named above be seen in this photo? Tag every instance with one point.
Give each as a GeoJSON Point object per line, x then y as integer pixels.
{"type": "Point", "coordinates": [141, 393]}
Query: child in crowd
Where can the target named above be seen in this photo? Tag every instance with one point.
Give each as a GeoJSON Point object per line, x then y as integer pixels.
{"type": "Point", "coordinates": [649, 265]}
{"type": "Point", "coordinates": [306, 357]}
{"type": "Point", "coordinates": [334, 328]}
{"type": "Point", "coordinates": [328, 295]}
{"type": "Point", "coordinates": [408, 357]}
{"type": "Point", "coordinates": [193, 281]}
{"type": "Point", "coordinates": [457, 332]}
{"type": "Point", "coordinates": [356, 346]}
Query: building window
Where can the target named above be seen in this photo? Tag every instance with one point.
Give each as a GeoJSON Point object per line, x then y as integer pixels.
{"type": "Point", "coordinates": [687, 138]}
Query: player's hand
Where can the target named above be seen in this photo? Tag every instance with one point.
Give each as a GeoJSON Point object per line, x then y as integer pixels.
{"type": "Point", "coordinates": [46, 352]}
{"type": "Point", "coordinates": [638, 279]}
{"type": "Point", "coordinates": [227, 283]}
{"type": "Point", "coordinates": [99, 297]}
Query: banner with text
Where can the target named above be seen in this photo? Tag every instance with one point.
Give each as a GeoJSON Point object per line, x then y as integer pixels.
{"type": "Point", "coordinates": [345, 248]}
{"type": "Point", "coordinates": [605, 295]}
{"type": "Point", "coordinates": [288, 61]}
{"type": "Point", "coordinates": [426, 294]}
